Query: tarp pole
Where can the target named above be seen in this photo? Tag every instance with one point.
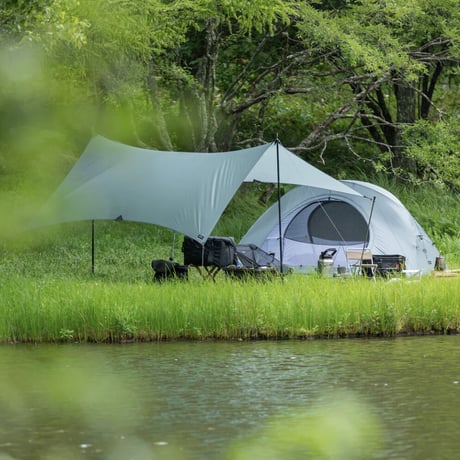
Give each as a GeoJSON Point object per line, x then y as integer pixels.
{"type": "Point", "coordinates": [92, 246]}
{"type": "Point", "coordinates": [279, 203]}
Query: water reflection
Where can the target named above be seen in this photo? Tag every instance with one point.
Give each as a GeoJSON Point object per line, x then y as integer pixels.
{"type": "Point", "coordinates": [192, 400]}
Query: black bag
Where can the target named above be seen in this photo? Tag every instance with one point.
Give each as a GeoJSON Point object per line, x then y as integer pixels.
{"type": "Point", "coordinates": [166, 270]}
{"type": "Point", "coordinates": [218, 251]}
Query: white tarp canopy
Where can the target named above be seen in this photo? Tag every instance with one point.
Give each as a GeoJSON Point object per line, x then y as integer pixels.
{"type": "Point", "coordinates": [183, 191]}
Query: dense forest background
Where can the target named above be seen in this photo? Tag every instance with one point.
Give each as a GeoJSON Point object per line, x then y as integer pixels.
{"type": "Point", "coordinates": [356, 87]}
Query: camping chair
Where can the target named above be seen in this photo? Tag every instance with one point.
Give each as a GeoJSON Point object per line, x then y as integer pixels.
{"type": "Point", "coordinates": [252, 261]}
{"type": "Point", "coordinates": [361, 262]}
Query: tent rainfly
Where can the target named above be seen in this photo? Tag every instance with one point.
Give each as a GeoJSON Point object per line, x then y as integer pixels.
{"type": "Point", "coordinates": [186, 192]}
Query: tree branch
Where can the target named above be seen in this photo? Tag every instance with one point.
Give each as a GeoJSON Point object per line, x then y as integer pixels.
{"type": "Point", "coordinates": [359, 97]}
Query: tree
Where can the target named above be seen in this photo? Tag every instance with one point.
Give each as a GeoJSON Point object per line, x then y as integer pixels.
{"type": "Point", "coordinates": [392, 56]}
{"type": "Point", "coordinates": [160, 74]}
{"type": "Point", "coordinates": [435, 149]}
{"type": "Point", "coordinates": [331, 77]}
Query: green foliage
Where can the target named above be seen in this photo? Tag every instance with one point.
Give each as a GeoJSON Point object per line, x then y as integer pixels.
{"type": "Point", "coordinates": [313, 433]}
{"type": "Point", "coordinates": [81, 396]}
{"type": "Point", "coordinates": [435, 148]}
{"type": "Point", "coordinates": [258, 15]}
{"type": "Point", "coordinates": [392, 55]}
{"type": "Point", "coordinates": [342, 82]}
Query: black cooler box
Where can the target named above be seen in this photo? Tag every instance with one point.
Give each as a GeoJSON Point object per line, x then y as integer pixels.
{"type": "Point", "coordinates": [389, 264]}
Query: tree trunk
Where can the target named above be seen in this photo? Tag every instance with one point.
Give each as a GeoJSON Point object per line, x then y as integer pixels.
{"type": "Point", "coordinates": [406, 106]}
{"type": "Point", "coordinates": [157, 112]}
{"type": "Point", "coordinates": [267, 194]}
{"type": "Point", "coordinates": [208, 81]}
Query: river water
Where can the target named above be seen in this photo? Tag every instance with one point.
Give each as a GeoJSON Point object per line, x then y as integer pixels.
{"type": "Point", "coordinates": [385, 399]}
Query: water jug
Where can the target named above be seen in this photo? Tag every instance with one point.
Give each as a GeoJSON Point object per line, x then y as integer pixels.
{"type": "Point", "coordinates": [326, 262]}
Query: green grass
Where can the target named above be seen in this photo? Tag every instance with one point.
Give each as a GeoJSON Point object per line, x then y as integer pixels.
{"type": "Point", "coordinates": [50, 294]}
{"type": "Point", "coordinates": [298, 307]}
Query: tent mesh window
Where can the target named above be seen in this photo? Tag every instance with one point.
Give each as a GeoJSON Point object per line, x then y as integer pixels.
{"type": "Point", "coordinates": [328, 222]}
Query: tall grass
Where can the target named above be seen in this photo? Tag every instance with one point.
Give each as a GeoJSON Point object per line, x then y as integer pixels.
{"type": "Point", "coordinates": [297, 307]}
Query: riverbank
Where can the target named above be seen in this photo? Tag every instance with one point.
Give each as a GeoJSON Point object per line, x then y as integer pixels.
{"type": "Point", "coordinates": [297, 307]}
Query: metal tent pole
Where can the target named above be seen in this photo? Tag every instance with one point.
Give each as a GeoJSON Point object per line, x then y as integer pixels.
{"type": "Point", "coordinates": [365, 243]}
{"type": "Point", "coordinates": [279, 203]}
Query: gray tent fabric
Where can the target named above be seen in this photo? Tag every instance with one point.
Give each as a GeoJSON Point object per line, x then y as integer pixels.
{"type": "Point", "coordinates": [313, 221]}
{"type": "Point", "coordinates": [184, 191]}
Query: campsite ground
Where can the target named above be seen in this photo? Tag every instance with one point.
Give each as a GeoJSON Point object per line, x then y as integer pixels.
{"type": "Point", "coordinates": [50, 294]}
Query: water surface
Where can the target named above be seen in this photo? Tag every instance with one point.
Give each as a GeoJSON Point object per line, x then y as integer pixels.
{"type": "Point", "coordinates": [194, 400]}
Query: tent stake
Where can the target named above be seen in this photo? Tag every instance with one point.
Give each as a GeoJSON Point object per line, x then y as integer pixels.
{"type": "Point", "coordinates": [279, 203]}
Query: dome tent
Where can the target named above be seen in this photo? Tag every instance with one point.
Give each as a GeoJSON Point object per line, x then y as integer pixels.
{"type": "Point", "coordinates": [314, 220]}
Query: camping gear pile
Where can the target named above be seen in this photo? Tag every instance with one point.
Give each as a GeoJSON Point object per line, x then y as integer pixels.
{"type": "Point", "coordinates": [251, 261]}
{"type": "Point", "coordinates": [389, 264]}
{"type": "Point", "coordinates": [218, 253]}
